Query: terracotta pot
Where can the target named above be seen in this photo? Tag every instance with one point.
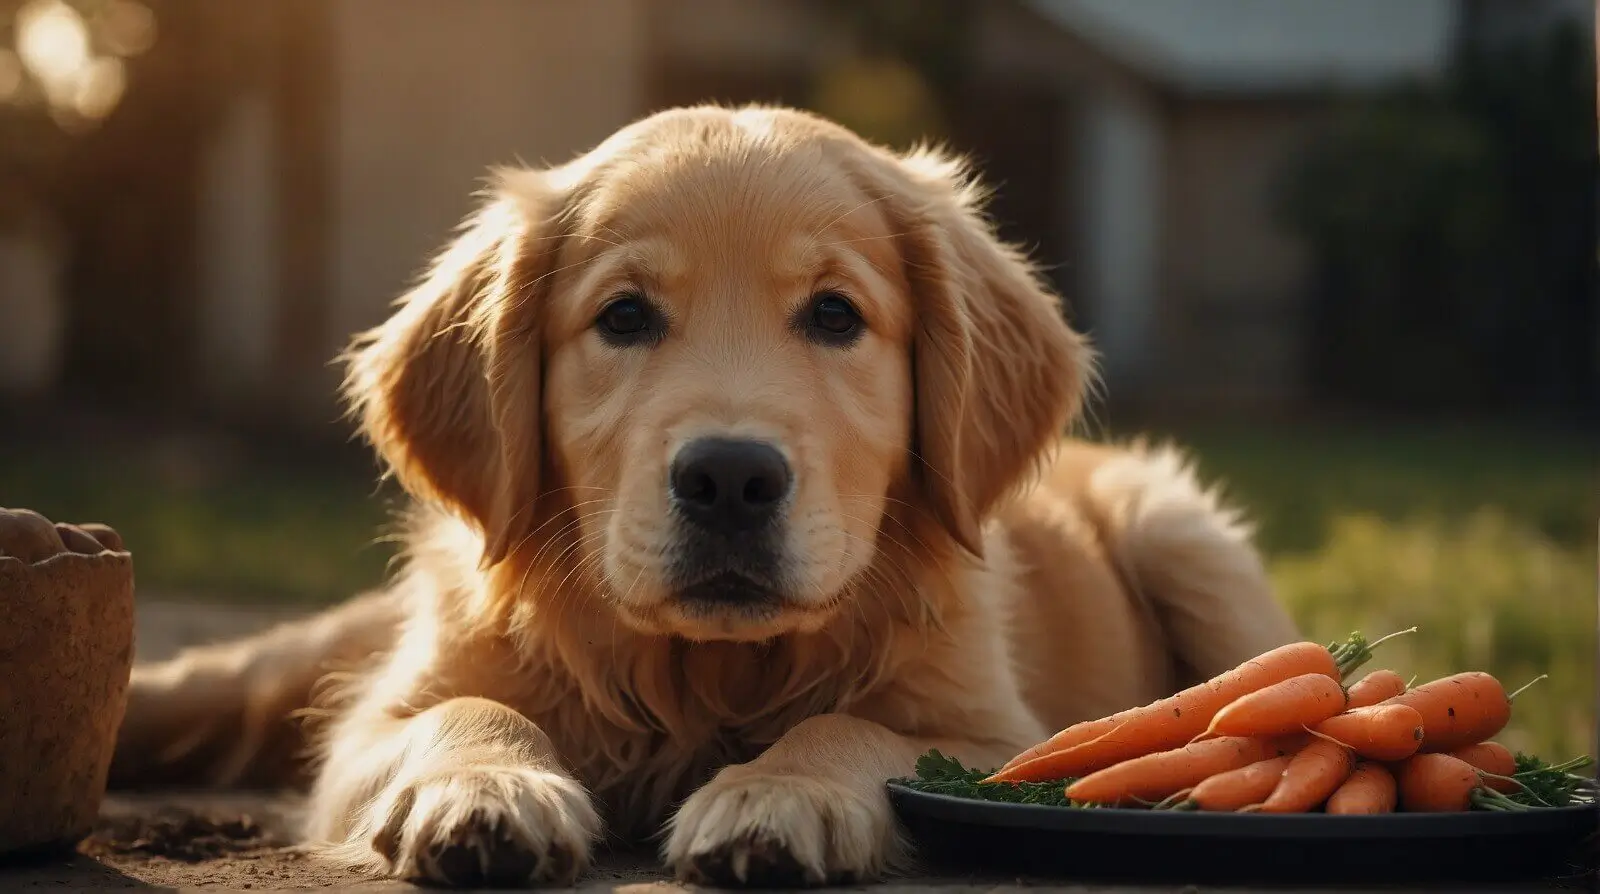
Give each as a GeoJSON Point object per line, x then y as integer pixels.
{"type": "Point", "coordinates": [66, 649]}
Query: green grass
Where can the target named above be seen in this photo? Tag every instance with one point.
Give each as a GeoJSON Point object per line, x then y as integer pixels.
{"type": "Point", "coordinates": [1486, 540]}
{"type": "Point", "coordinates": [1297, 482]}
{"type": "Point", "coordinates": [239, 532]}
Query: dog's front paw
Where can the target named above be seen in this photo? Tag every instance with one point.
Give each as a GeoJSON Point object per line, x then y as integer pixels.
{"type": "Point", "coordinates": [747, 828]}
{"type": "Point", "coordinates": [489, 827]}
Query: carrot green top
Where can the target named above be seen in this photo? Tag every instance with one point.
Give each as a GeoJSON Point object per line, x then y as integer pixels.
{"type": "Point", "coordinates": [1355, 651]}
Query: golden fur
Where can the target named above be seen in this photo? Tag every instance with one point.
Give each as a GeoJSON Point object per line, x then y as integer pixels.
{"type": "Point", "coordinates": [953, 572]}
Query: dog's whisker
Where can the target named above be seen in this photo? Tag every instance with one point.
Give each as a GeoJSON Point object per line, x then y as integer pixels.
{"type": "Point", "coordinates": [835, 221]}
{"type": "Point", "coordinates": [593, 558]}
{"type": "Point", "coordinates": [878, 527]}
{"type": "Point", "coordinates": [574, 522]}
{"type": "Point", "coordinates": [535, 562]}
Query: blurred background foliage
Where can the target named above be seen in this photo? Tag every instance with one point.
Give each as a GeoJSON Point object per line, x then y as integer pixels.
{"type": "Point", "coordinates": [1454, 236]}
{"type": "Point", "coordinates": [903, 72]}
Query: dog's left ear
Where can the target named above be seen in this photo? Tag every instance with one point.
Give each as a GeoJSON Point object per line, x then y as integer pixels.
{"type": "Point", "coordinates": [448, 387]}
{"type": "Point", "coordinates": [998, 371]}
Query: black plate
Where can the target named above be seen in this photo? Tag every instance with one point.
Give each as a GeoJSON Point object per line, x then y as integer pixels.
{"type": "Point", "coordinates": [1230, 848]}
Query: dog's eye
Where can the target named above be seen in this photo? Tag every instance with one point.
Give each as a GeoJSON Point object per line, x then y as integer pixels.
{"type": "Point", "coordinates": [627, 320]}
{"type": "Point", "coordinates": [833, 319]}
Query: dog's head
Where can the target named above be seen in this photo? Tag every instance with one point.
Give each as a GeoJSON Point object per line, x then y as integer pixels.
{"type": "Point", "coordinates": [717, 363]}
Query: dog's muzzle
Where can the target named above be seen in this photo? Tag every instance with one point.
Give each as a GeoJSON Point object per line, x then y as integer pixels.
{"type": "Point", "coordinates": [728, 496]}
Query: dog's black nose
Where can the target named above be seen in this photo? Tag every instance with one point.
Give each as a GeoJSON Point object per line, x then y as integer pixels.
{"type": "Point", "coordinates": [729, 485]}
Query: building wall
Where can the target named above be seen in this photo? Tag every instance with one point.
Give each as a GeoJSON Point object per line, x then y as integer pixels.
{"type": "Point", "coordinates": [1234, 280]}
{"type": "Point", "coordinates": [765, 36]}
{"type": "Point", "coordinates": [1112, 184]}
{"type": "Point", "coordinates": [32, 261]}
{"type": "Point", "coordinates": [238, 257]}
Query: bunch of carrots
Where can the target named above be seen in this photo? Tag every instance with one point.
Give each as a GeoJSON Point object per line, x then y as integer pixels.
{"type": "Point", "coordinates": [1284, 733]}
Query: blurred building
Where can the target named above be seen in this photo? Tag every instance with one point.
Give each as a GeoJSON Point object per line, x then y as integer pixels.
{"type": "Point", "coordinates": [279, 171]}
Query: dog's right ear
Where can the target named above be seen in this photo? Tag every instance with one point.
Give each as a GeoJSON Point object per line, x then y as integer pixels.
{"type": "Point", "coordinates": [423, 385]}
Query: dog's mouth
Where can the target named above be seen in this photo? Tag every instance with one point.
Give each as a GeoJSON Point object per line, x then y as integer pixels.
{"type": "Point", "coordinates": [728, 593]}
{"type": "Point", "coordinates": [731, 606]}
{"type": "Point", "coordinates": [708, 576]}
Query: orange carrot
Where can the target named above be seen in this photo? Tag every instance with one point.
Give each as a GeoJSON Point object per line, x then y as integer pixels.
{"type": "Point", "coordinates": [1155, 777]}
{"type": "Point", "coordinates": [1282, 708]}
{"type": "Point", "coordinates": [1492, 758]}
{"type": "Point", "coordinates": [1177, 719]}
{"type": "Point", "coordinates": [1074, 736]}
{"type": "Point", "coordinates": [1437, 783]}
{"type": "Point", "coordinates": [1238, 788]}
{"type": "Point", "coordinates": [1459, 710]}
{"type": "Point", "coordinates": [1315, 772]}
{"type": "Point", "coordinates": [1383, 732]}
{"type": "Point", "coordinates": [1369, 789]}
{"type": "Point", "coordinates": [1380, 685]}
{"type": "Point", "coordinates": [1164, 724]}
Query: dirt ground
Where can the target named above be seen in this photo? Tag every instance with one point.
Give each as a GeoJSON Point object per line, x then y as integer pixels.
{"type": "Point", "coordinates": [244, 842]}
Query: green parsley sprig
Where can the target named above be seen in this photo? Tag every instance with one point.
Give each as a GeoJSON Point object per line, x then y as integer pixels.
{"type": "Point", "coordinates": [941, 775]}
{"type": "Point", "coordinates": [1552, 785]}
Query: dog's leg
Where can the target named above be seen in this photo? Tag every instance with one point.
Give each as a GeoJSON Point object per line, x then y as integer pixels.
{"type": "Point", "coordinates": [224, 714]}
{"type": "Point", "coordinates": [810, 810]}
{"type": "Point", "coordinates": [467, 793]}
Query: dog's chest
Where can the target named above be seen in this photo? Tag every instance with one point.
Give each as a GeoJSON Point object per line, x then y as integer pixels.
{"type": "Point", "coordinates": [648, 732]}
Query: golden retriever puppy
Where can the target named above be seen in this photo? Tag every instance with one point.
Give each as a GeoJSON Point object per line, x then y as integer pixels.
{"type": "Point", "coordinates": [738, 450]}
